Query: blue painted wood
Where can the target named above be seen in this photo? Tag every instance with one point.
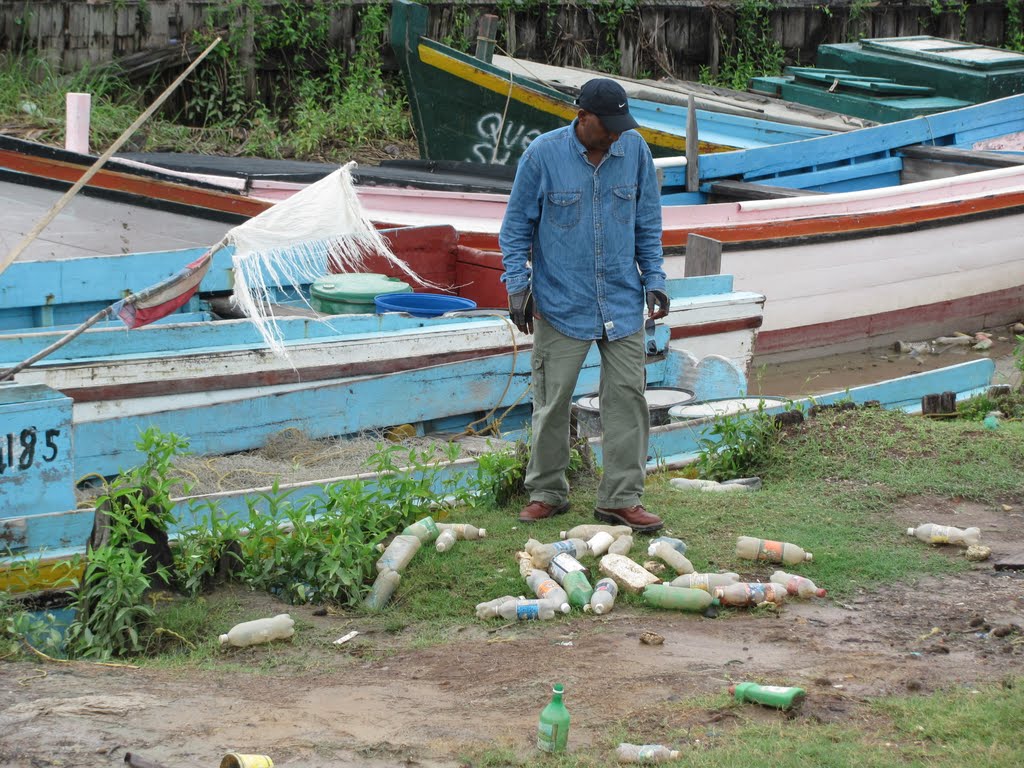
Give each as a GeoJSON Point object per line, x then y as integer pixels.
{"type": "Point", "coordinates": [36, 455]}
{"type": "Point", "coordinates": [467, 389]}
{"type": "Point", "coordinates": [957, 127]}
{"type": "Point", "coordinates": [847, 177]}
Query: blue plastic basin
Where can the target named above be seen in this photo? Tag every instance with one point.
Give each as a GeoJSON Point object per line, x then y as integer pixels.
{"type": "Point", "coordinates": [421, 304]}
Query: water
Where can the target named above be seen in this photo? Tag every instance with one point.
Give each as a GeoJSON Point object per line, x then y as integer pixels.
{"type": "Point", "coordinates": [819, 375]}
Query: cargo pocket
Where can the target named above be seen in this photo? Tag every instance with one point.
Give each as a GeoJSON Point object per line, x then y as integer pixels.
{"type": "Point", "coordinates": [538, 381]}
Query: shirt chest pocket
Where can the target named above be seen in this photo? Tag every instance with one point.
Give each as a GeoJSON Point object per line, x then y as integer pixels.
{"type": "Point", "coordinates": [563, 209]}
{"type": "Point", "coordinates": [623, 202]}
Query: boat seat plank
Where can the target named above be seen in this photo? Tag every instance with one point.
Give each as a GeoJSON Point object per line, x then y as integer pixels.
{"type": "Point", "coordinates": [722, 191]}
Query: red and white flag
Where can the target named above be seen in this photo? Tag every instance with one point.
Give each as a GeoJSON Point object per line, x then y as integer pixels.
{"type": "Point", "coordinates": [164, 298]}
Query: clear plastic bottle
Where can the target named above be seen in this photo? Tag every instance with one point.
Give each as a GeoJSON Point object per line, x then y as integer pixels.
{"type": "Point", "coordinates": [588, 530]}
{"type": "Point", "coordinates": [800, 586]}
{"type": "Point", "coordinates": [543, 554]}
{"type": "Point", "coordinates": [546, 588]}
{"type": "Point", "coordinates": [383, 588]}
{"type": "Point", "coordinates": [677, 598]}
{"type": "Point", "coordinates": [598, 543]}
{"type": "Point", "coordinates": [577, 586]}
{"type": "Point", "coordinates": [621, 545]}
{"type": "Point", "coordinates": [489, 609]}
{"type": "Point", "coordinates": [445, 540]}
{"type": "Point", "coordinates": [398, 553]}
{"type": "Point", "coordinates": [424, 529]}
{"type": "Point", "coordinates": [670, 555]}
{"type": "Point", "coordinates": [258, 631]}
{"type": "Point", "coordinates": [705, 581]}
{"type": "Point", "coordinates": [745, 594]}
{"type": "Point", "coordinates": [645, 753]}
{"type": "Point", "coordinates": [564, 563]}
{"type": "Point", "coordinates": [528, 610]}
{"type": "Point", "coordinates": [677, 544]}
{"type": "Point", "coordinates": [464, 531]}
{"type": "Point", "coordinates": [553, 724]}
{"type": "Point", "coordinates": [525, 563]}
{"type": "Point", "coordinates": [603, 599]}
{"type": "Point", "coordinates": [750, 548]}
{"type": "Point", "coordinates": [946, 534]}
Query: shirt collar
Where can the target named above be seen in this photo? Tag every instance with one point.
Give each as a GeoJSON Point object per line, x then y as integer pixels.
{"type": "Point", "coordinates": [615, 149]}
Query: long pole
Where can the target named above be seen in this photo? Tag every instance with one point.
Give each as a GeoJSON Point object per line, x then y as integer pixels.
{"type": "Point", "coordinates": [101, 160]}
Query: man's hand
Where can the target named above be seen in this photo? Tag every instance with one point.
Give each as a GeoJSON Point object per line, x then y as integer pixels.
{"type": "Point", "coordinates": [520, 310]}
{"type": "Point", "coordinates": [657, 299]}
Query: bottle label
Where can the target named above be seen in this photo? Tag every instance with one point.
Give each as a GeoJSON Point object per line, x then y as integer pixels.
{"type": "Point", "coordinates": [775, 689]}
{"type": "Point", "coordinates": [647, 751]}
{"type": "Point", "coordinates": [700, 581]}
{"type": "Point", "coordinates": [545, 587]}
{"type": "Point", "coordinates": [564, 546]}
{"type": "Point", "coordinates": [940, 534]}
{"type": "Point", "coordinates": [527, 611]}
{"type": "Point", "coordinates": [547, 735]}
{"type": "Point", "coordinates": [770, 551]}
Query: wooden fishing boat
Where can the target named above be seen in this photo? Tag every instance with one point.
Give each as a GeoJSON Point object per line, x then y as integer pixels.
{"type": "Point", "coordinates": [42, 529]}
{"type": "Point", "coordinates": [468, 109]}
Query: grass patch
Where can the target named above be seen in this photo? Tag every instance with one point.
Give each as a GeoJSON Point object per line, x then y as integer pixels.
{"type": "Point", "coordinates": [945, 730]}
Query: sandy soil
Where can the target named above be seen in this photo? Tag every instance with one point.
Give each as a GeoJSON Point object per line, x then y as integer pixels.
{"type": "Point", "coordinates": [380, 700]}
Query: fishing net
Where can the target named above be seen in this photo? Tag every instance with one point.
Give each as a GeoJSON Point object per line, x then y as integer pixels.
{"type": "Point", "coordinates": [321, 228]}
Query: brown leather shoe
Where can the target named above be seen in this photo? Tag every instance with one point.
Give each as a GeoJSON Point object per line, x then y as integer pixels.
{"type": "Point", "coordinates": [637, 518]}
{"type": "Point", "coordinates": [538, 510]}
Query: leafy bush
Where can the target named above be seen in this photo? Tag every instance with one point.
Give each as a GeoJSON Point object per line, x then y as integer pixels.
{"type": "Point", "coordinates": [735, 446]}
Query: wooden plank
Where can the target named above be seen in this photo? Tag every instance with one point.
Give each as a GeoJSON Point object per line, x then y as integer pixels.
{"type": "Point", "coordinates": [723, 191]}
{"type": "Point", "coordinates": [703, 256]}
{"type": "Point", "coordinates": [486, 38]}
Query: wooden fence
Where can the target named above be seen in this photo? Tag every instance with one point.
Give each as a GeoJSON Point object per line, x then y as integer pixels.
{"type": "Point", "coordinates": [660, 37]}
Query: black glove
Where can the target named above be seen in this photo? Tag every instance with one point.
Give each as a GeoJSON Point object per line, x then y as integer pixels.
{"type": "Point", "coordinates": [520, 310]}
{"type": "Point", "coordinates": [657, 299]}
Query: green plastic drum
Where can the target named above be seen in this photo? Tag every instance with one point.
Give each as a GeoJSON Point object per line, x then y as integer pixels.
{"type": "Point", "coordinates": [352, 294]}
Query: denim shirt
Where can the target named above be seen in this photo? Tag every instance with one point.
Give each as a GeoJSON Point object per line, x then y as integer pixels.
{"type": "Point", "coordinates": [591, 235]}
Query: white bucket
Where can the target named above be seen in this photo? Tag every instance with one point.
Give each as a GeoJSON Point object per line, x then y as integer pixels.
{"type": "Point", "coordinates": [728, 406]}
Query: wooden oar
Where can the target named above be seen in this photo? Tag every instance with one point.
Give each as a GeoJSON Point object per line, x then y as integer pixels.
{"type": "Point", "coordinates": [101, 160]}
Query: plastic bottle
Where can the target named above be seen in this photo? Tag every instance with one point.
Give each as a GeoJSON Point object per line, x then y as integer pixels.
{"type": "Point", "coordinates": [527, 610]}
{"type": "Point", "coordinates": [563, 564]}
{"type": "Point", "coordinates": [546, 588]}
{"type": "Point", "coordinates": [383, 588]}
{"type": "Point", "coordinates": [773, 551]}
{"type": "Point", "coordinates": [677, 544]}
{"type": "Point", "coordinates": [424, 529]}
{"type": "Point", "coordinates": [577, 586]}
{"type": "Point", "coordinates": [705, 581]}
{"type": "Point", "coordinates": [445, 540]}
{"type": "Point", "coordinates": [665, 551]}
{"type": "Point", "coordinates": [621, 545]}
{"type": "Point", "coordinates": [603, 599]}
{"type": "Point", "coordinates": [464, 531]}
{"type": "Point", "coordinates": [525, 563]}
{"type": "Point", "coordinates": [598, 543]}
{"type": "Point", "coordinates": [800, 586]}
{"type": "Point", "coordinates": [398, 553]}
{"type": "Point", "coordinates": [588, 530]}
{"type": "Point", "coordinates": [946, 534]}
{"type": "Point", "coordinates": [543, 554]}
{"type": "Point", "coordinates": [778, 696]}
{"type": "Point", "coordinates": [645, 753]}
{"type": "Point", "coordinates": [677, 598]}
{"type": "Point", "coordinates": [489, 610]}
{"type": "Point", "coordinates": [745, 594]}
{"type": "Point", "coordinates": [553, 726]}
{"type": "Point", "coordinates": [260, 631]}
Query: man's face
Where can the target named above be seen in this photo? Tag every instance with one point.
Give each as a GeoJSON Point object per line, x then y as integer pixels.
{"type": "Point", "coordinates": [592, 133]}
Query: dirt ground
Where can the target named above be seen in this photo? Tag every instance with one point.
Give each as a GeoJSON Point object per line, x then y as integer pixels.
{"type": "Point", "coordinates": [380, 700]}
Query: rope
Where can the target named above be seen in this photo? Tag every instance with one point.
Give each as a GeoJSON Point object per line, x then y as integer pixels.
{"type": "Point", "coordinates": [496, 424]}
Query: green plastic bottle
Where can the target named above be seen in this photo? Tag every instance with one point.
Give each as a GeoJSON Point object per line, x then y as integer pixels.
{"type": "Point", "coordinates": [781, 697]}
{"type": "Point", "coordinates": [553, 728]}
{"type": "Point", "coordinates": [677, 598]}
{"type": "Point", "coordinates": [577, 586]}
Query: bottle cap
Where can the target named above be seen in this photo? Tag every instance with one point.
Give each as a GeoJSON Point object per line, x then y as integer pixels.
{"type": "Point", "coordinates": [808, 556]}
{"type": "Point", "coordinates": [910, 531]}
{"type": "Point", "coordinates": [673, 754]}
{"type": "Point", "coordinates": [223, 639]}
{"type": "Point", "coordinates": [565, 608]}
{"type": "Point", "coordinates": [562, 534]}
{"type": "Point", "coordinates": [483, 533]}
{"type": "Point", "coordinates": [732, 690]}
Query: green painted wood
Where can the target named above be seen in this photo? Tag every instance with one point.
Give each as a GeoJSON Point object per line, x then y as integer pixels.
{"type": "Point", "coordinates": [965, 71]}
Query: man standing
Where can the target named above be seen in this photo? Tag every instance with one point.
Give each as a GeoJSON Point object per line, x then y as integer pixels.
{"type": "Point", "coordinates": [581, 245]}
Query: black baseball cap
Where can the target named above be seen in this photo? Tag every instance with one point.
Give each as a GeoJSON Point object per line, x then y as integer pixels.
{"type": "Point", "coordinates": [607, 99]}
